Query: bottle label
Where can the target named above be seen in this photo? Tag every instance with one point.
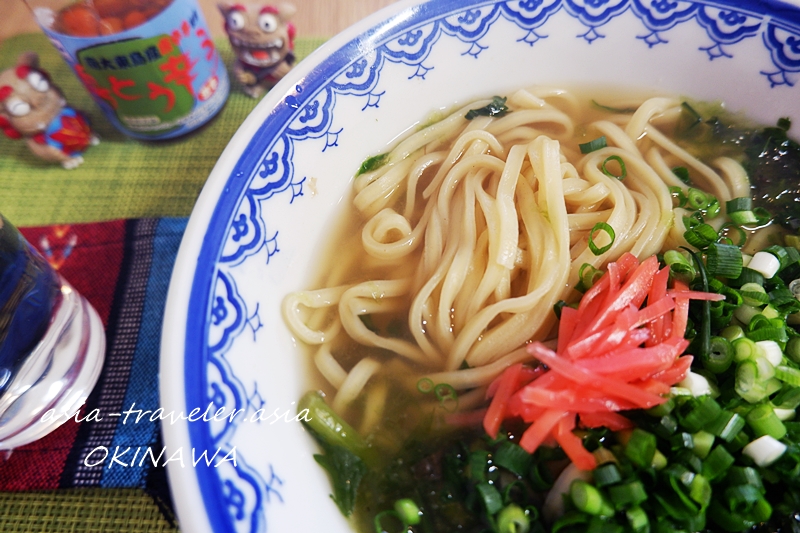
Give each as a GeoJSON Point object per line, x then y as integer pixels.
{"type": "Point", "coordinates": [158, 80]}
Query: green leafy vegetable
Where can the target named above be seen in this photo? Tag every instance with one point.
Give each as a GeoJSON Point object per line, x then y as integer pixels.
{"type": "Point", "coordinates": [372, 163]}
{"type": "Point", "coordinates": [496, 108]}
{"type": "Point", "coordinates": [346, 470]}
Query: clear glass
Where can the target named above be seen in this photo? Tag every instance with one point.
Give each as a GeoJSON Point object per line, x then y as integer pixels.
{"type": "Point", "coordinates": [52, 344]}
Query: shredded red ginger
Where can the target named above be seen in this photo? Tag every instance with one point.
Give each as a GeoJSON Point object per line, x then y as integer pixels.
{"type": "Point", "coordinates": [614, 353]}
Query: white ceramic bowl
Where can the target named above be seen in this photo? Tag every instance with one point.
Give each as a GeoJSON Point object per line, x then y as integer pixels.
{"type": "Point", "coordinates": [269, 202]}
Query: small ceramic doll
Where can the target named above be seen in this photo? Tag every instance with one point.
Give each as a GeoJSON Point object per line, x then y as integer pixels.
{"type": "Point", "coordinates": [262, 39]}
{"type": "Point", "coordinates": [34, 109]}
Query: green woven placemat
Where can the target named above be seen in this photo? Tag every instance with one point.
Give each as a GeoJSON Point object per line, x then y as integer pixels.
{"type": "Point", "coordinates": [81, 510]}
{"type": "Point", "coordinates": [121, 177]}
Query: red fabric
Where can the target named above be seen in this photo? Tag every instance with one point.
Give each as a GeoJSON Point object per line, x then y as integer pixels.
{"type": "Point", "coordinates": [89, 256]}
{"type": "Point", "coordinates": [92, 265]}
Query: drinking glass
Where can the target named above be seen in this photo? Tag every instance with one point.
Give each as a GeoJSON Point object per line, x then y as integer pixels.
{"type": "Point", "coordinates": [52, 344]}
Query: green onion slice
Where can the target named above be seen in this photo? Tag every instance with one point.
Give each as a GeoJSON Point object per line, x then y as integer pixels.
{"type": "Point", "coordinates": [762, 215]}
{"type": "Point", "coordinates": [512, 519]}
{"type": "Point", "coordinates": [593, 145]}
{"type": "Point", "coordinates": [589, 275]}
{"type": "Point", "coordinates": [682, 173]}
{"type": "Point", "coordinates": [697, 199]}
{"type": "Point", "coordinates": [447, 396]}
{"type": "Point", "coordinates": [425, 385]}
{"type": "Point", "coordinates": [701, 236]}
{"type": "Point", "coordinates": [678, 196]}
{"type": "Point", "coordinates": [623, 172]}
{"type": "Point", "coordinates": [724, 260]}
{"type": "Point", "coordinates": [728, 231]}
{"type": "Point", "coordinates": [608, 230]}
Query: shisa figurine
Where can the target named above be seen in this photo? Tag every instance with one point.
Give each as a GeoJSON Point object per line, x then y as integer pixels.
{"type": "Point", "coordinates": [262, 39]}
{"type": "Point", "coordinates": [34, 109]}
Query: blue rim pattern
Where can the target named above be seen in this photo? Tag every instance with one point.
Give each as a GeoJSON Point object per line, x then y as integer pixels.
{"type": "Point", "coordinates": [234, 497]}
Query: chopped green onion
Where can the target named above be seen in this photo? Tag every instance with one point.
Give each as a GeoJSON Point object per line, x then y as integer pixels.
{"type": "Point", "coordinates": [593, 145]}
{"type": "Point", "coordinates": [713, 208]}
{"type": "Point", "coordinates": [728, 230]}
{"type": "Point", "coordinates": [732, 333]}
{"type": "Point", "coordinates": [762, 215]}
{"type": "Point", "coordinates": [780, 254]}
{"type": "Point", "coordinates": [627, 494]}
{"type": "Point", "coordinates": [763, 421]}
{"type": "Point", "coordinates": [641, 447]}
{"type": "Point", "coordinates": [771, 350]}
{"type": "Point", "coordinates": [699, 413]}
{"type": "Point", "coordinates": [541, 477]}
{"type": "Point", "coordinates": [726, 519]}
{"type": "Point", "coordinates": [743, 218]}
{"type": "Point", "coordinates": [623, 172]}
{"type": "Point", "coordinates": [744, 349]}
{"type": "Point", "coordinates": [693, 220]}
{"type": "Point", "coordinates": [719, 356]}
{"type": "Point", "coordinates": [682, 173]}
{"type": "Point", "coordinates": [608, 230]}
{"type": "Point", "coordinates": [513, 457]}
{"type": "Point", "coordinates": [789, 398]}
{"type": "Point", "coordinates": [408, 511]}
{"type": "Point", "coordinates": [425, 385]}
{"type": "Point", "coordinates": [571, 521]}
{"type": "Point", "coordinates": [680, 267]}
{"type": "Point", "coordinates": [727, 425]}
{"type": "Point", "coordinates": [512, 519]}
{"type": "Point", "coordinates": [490, 497]}
{"type": "Point", "coordinates": [447, 396]}
{"type": "Point", "coordinates": [588, 499]}
{"type": "Point", "coordinates": [479, 463]}
{"type": "Point", "coordinates": [607, 474]}
{"type": "Point", "coordinates": [697, 199]}
{"type": "Point", "coordinates": [768, 333]}
{"type": "Point", "coordinates": [724, 260]}
{"type": "Point", "coordinates": [717, 463]}
{"type": "Point", "coordinates": [667, 425]}
{"type": "Point", "coordinates": [637, 519]}
{"type": "Point", "coordinates": [678, 196]}
{"type": "Point", "coordinates": [754, 294]}
{"type": "Point", "coordinates": [701, 235]}
{"type": "Point", "coordinates": [743, 203]}
{"type": "Point", "coordinates": [662, 409]}
{"type": "Point", "coordinates": [745, 475]}
{"type": "Point", "coordinates": [749, 275]}
{"type": "Point", "coordinates": [700, 491]}
{"type": "Point", "coordinates": [765, 450]}
{"type": "Point", "coordinates": [703, 441]}
{"type": "Point", "coordinates": [681, 440]}
{"type": "Point", "coordinates": [793, 349]}
{"type": "Point", "coordinates": [741, 498]}
{"type": "Point", "coordinates": [589, 275]}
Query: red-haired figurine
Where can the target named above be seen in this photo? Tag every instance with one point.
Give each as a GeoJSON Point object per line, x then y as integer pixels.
{"type": "Point", "coordinates": [263, 40]}
{"type": "Point", "coordinates": [34, 109]}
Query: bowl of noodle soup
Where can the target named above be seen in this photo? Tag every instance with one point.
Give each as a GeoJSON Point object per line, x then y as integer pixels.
{"type": "Point", "coordinates": [397, 219]}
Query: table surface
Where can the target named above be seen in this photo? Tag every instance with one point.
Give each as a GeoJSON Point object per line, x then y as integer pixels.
{"type": "Point", "coordinates": [38, 194]}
